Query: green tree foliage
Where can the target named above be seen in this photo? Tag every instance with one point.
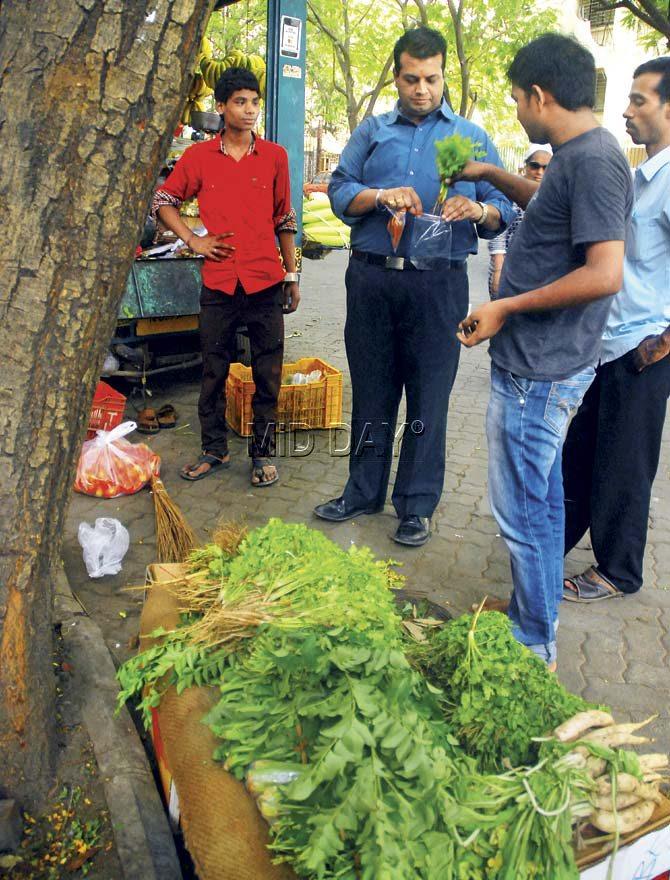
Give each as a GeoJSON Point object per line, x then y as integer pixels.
{"type": "Point", "coordinates": [242, 26]}
{"type": "Point", "coordinates": [649, 18]}
{"type": "Point", "coordinates": [350, 44]}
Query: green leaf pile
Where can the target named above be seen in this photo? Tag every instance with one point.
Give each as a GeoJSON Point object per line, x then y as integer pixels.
{"type": "Point", "coordinates": [381, 789]}
{"type": "Point", "coordinates": [497, 694]}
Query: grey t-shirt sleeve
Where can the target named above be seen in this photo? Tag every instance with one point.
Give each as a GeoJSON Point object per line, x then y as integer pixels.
{"type": "Point", "coordinates": [600, 193]}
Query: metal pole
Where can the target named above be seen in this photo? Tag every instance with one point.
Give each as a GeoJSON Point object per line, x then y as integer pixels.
{"type": "Point", "coordinates": [285, 96]}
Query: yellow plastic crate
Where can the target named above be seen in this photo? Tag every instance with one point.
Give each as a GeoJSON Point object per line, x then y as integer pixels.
{"type": "Point", "coordinates": [316, 405]}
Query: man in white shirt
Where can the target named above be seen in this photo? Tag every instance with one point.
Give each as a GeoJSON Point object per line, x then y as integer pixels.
{"type": "Point", "coordinates": [612, 450]}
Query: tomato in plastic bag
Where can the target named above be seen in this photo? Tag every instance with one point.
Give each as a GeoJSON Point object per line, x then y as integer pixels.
{"type": "Point", "coordinates": [110, 466]}
{"type": "Point", "coordinates": [396, 227]}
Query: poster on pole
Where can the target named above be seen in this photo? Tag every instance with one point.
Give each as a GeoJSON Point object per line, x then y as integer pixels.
{"type": "Point", "coordinates": [290, 34]}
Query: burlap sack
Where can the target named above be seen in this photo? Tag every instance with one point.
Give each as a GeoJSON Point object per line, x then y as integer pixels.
{"type": "Point", "coordinates": [224, 832]}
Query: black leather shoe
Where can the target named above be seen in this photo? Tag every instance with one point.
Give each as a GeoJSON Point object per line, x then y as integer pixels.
{"type": "Point", "coordinates": [337, 510]}
{"type": "Point", "coordinates": [413, 531]}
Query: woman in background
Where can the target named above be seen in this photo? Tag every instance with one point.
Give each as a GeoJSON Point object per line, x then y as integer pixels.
{"type": "Point", "coordinates": [535, 164]}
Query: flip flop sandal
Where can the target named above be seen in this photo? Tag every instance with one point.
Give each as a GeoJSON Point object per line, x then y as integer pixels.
{"type": "Point", "coordinates": [258, 466]}
{"type": "Point", "coordinates": [147, 423]}
{"type": "Point", "coordinates": [214, 463]}
{"type": "Point", "coordinates": [167, 416]}
{"type": "Point", "coordinates": [590, 586]}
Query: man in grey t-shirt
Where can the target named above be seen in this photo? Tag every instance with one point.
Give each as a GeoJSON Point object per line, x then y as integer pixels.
{"type": "Point", "coordinates": [565, 262]}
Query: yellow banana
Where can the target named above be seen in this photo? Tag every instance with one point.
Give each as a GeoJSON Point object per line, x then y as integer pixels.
{"type": "Point", "coordinates": [209, 69]}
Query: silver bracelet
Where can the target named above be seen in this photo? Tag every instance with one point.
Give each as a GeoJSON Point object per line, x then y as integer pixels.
{"type": "Point", "coordinates": [485, 213]}
{"type": "Point", "coordinates": [377, 197]}
{"type": "Point", "coordinates": [292, 277]}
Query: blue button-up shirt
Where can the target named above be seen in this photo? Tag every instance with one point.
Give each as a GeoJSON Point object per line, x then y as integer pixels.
{"type": "Point", "coordinates": [642, 307]}
{"type": "Point", "coordinates": [388, 151]}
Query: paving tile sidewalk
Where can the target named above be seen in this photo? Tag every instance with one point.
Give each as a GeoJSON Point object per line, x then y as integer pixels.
{"type": "Point", "coordinates": [613, 652]}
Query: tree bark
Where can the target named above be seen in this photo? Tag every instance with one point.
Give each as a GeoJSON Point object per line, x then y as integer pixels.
{"type": "Point", "coordinates": [90, 92]}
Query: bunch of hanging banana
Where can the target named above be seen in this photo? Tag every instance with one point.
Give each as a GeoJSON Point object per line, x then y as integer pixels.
{"type": "Point", "coordinates": [208, 70]}
{"type": "Point", "coordinates": [320, 225]}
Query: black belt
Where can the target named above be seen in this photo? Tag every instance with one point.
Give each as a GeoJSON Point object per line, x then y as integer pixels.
{"type": "Point", "coordinates": [399, 263]}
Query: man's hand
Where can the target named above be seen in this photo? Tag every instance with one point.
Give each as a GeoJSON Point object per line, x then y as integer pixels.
{"type": "Point", "coordinates": [401, 198]}
{"type": "Point", "coordinates": [461, 208]}
{"type": "Point", "coordinates": [214, 247]}
{"type": "Point", "coordinates": [473, 171]}
{"type": "Point", "coordinates": [291, 297]}
{"type": "Point", "coordinates": [483, 323]}
{"type": "Point", "coordinates": [651, 350]}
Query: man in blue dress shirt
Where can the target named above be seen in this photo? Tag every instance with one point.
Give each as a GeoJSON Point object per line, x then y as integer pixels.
{"type": "Point", "coordinates": [613, 446]}
{"type": "Point", "coordinates": [400, 331]}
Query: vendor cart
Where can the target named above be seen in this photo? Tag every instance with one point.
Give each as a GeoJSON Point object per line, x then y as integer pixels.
{"type": "Point", "coordinates": [157, 322]}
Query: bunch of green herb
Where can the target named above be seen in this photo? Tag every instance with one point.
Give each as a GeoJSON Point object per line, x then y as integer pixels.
{"type": "Point", "coordinates": [382, 790]}
{"type": "Point", "coordinates": [452, 154]}
{"type": "Point", "coordinates": [385, 792]}
{"type": "Point", "coordinates": [519, 823]}
{"type": "Point", "coordinates": [369, 735]}
{"type": "Point", "coordinates": [282, 573]}
{"type": "Point", "coordinates": [498, 695]}
{"type": "Point", "coordinates": [309, 576]}
{"type": "Point", "coordinates": [335, 693]}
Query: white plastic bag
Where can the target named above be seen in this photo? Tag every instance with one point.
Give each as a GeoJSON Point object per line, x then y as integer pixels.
{"type": "Point", "coordinates": [104, 545]}
{"type": "Point", "coordinates": [303, 378]}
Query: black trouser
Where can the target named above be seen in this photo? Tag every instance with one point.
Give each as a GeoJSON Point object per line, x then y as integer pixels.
{"type": "Point", "coordinates": [400, 333]}
{"type": "Point", "coordinates": [220, 316]}
{"type": "Point", "coordinates": [610, 459]}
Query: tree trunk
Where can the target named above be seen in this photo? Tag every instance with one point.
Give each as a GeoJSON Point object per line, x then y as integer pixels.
{"type": "Point", "coordinates": [463, 62]}
{"type": "Point", "coordinates": [90, 92]}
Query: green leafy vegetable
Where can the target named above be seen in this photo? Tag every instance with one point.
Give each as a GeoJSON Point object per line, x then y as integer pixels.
{"type": "Point", "coordinates": [497, 694]}
{"type": "Point", "coordinates": [367, 780]}
{"type": "Point", "coordinates": [452, 154]}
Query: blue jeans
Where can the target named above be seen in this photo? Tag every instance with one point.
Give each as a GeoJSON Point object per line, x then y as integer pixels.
{"type": "Point", "coordinates": [526, 426]}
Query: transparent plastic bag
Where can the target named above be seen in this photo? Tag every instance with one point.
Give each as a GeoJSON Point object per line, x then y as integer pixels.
{"type": "Point", "coordinates": [396, 227]}
{"type": "Point", "coordinates": [430, 241]}
{"type": "Point", "coordinates": [104, 545]}
{"type": "Point", "coordinates": [110, 465]}
{"type": "Point", "coordinates": [264, 782]}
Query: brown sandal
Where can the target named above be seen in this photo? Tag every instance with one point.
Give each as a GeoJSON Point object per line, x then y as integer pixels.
{"type": "Point", "coordinates": [590, 586]}
{"type": "Point", "coordinates": [147, 423]}
{"type": "Point", "coordinates": [167, 416]}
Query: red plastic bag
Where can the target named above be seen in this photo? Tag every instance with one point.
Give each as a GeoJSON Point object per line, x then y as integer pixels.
{"type": "Point", "coordinates": [110, 466]}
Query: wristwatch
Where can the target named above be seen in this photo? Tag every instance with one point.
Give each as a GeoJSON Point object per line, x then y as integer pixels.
{"type": "Point", "coordinates": [485, 213]}
{"type": "Point", "coordinates": [292, 277]}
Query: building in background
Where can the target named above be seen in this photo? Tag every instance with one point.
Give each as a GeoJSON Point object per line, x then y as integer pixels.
{"type": "Point", "coordinates": [618, 52]}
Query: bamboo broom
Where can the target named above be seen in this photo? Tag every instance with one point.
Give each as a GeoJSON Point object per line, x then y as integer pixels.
{"type": "Point", "coordinates": [174, 537]}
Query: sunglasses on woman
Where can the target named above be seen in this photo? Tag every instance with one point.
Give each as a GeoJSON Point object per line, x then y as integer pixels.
{"type": "Point", "coordinates": [536, 165]}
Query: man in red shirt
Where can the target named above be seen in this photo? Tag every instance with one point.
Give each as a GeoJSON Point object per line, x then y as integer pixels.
{"type": "Point", "coordinates": [243, 189]}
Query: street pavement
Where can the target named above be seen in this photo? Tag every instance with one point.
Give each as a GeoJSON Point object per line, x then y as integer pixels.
{"type": "Point", "coordinates": [615, 652]}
